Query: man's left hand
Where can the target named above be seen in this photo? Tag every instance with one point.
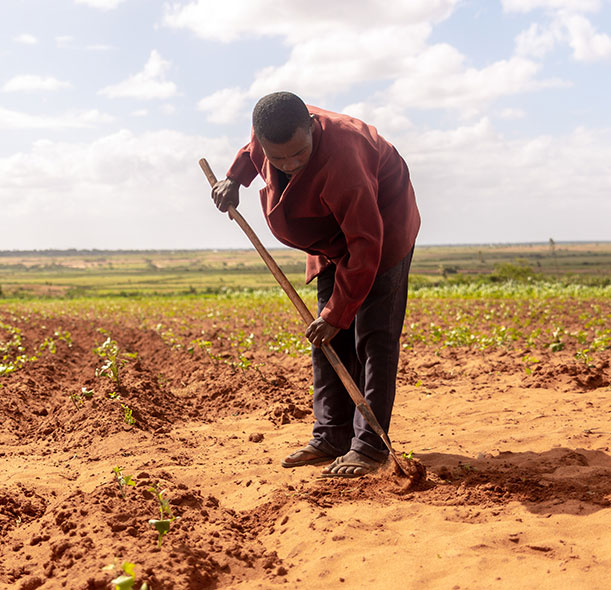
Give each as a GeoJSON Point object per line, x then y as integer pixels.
{"type": "Point", "coordinates": [320, 332]}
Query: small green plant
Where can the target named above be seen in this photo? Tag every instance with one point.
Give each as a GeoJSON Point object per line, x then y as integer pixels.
{"type": "Point", "coordinates": [162, 524]}
{"type": "Point", "coordinates": [289, 343]}
{"type": "Point", "coordinates": [128, 416]}
{"type": "Point", "coordinates": [584, 357]}
{"type": "Point", "coordinates": [49, 344]}
{"type": "Point", "coordinates": [557, 345]}
{"type": "Point", "coordinates": [205, 346]}
{"type": "Point", "coordinates": [409, 456]}
{"type": "Point", "coordinates": [123, 480]}
{"type": "Point", "coordinates": [115, 359]}
{"type": "Point", "coordinates": [127, 579]}
{"type": "Point", "coordinates": [244, 364]}
{"type": "Point", "coordinates": [529, 361]}
{"type": "Point", "coordinates": [78, 399]}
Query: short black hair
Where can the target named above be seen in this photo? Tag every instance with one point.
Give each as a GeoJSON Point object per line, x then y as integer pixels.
{"type": "Point", "coordinates": [277, 116]}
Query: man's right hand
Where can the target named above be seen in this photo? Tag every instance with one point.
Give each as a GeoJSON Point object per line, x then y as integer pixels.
{"type": "Point", "coordinates": [226, 192]}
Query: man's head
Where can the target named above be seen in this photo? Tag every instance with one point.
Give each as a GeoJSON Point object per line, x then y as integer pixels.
{"type": "Point", "coordinates": [283, 126]}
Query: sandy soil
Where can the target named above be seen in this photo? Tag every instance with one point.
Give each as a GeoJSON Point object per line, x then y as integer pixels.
{"type": "Point", "coordinates": [517, 494]}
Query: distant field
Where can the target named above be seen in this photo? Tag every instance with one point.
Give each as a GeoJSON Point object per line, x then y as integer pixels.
{"type": "Point", "coordinates": [579, 258]}
{"type": "Point", "coordinates": [83, 273]}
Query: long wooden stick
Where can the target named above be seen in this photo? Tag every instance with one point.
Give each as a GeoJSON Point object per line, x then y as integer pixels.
{"type": "Point", "coordinates": [308, 318]}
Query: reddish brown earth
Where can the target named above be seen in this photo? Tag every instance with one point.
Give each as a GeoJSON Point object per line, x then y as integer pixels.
{"type": "Point", "coordinates": [517, 494]}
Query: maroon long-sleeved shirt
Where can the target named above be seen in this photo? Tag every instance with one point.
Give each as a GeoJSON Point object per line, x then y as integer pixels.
{"type": "Point", "coordinates": [353, 205]}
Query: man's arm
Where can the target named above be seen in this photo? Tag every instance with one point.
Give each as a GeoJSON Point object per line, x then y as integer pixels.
{"type": "Point", "coordinates": [359, 218]}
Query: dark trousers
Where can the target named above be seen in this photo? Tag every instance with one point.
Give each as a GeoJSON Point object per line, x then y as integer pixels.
{"type": "Point", "coordinates": [369, 349]}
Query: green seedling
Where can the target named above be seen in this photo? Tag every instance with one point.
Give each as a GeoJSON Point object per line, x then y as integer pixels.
{"type": "Point", "coordinates": [123, 480]}
{"type": "Point", "coordinates": [12, 352]}
{"type": "Point", "coordinates": [529, 361]}
{"type": "Point", "coordinates": [584, 357]}
{"type": "Point", "coordinates": [163, 524]}
{"type": "Point", "coordinates": [557, 345]}
{"type": "Point", "coordinates": [115, 360]}
{"type": "Point", "coordinates": [126, 580]}
{"type": "Point", "coordinates": [290, 344]}
{"type": "Point", "coordinates": [128, 417]}
{"type": "Point", "coordinates": [205, 346]}
{"type": "Point", "coordinates": [409, 456]}
{"type": "Point", "coordinates": [49, 344]}
{"type": "Point", "coordinates": [168, 337]}
{"type": "Point", "coordinates": [78, 399]}
{"type": "Point", "coordinates": [244, 364]}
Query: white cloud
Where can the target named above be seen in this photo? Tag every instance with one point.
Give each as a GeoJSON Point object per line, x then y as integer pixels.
{"type": "Point", "coordinates": [389, 117]}
{"type": "Point", "coordinates": [148, 84]}
{"type": "Point", "coordinates": [28, 83]}
{"type": "Point", "coordinates": [224, 106]}
{"type": "Point", "coordinates": [125, 190]}
{"type": "Point", "coordinates": [26, 39]}
{"type": "Point", "coordinates": [167, 109]}
{"type": "Point", "coordinates": [439, 79]}
{"type": "Point", "coordinates": [377, 54]}
{"type": "Point", "coordinates": [566, 24]}
{"type": "Point", "coordinates": [472, 177]}
{"type": "Point", "coordinates": [324, 66]}
{"type": "Point", "coordinates": [101, 4]}
{"type": "Point", "coordinates": [18, 120]}
{"type": "Point", "coordinates": [370, 45]}
{"type": "Point", "coordinates": [299, 21]}
{"type": "Point", "coordinates": [146, 190]}
{"type": "Point", "coordinates": [64, 41]}
{"type": "Point", "coordinates": [587, 44]}
{"type": "Point", "coordinates": [512, 114]}
{"type": "Point", "coordinates": [553, 5]}
{"type": "Point", "coordinates": [99, 47]}
{"type": "Point", "coordinates": [537, 41]}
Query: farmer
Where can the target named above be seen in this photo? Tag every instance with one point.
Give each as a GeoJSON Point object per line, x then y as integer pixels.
{"type": "Point", "coordinates": [340, 192]}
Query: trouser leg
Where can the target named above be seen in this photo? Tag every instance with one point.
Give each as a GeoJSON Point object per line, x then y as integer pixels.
{"type": "Point", "coordinates": [333, 407]}
{"type": "Point", "coordinates": [370, 351]}
{"type": "Point", "coordinates": [378, 327]}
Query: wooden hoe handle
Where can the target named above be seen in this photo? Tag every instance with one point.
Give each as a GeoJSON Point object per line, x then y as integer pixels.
{"type": "Point", "coordinates": [308, 318]}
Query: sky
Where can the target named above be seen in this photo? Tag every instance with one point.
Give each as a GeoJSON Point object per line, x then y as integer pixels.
{"type": "Point", "coordinates": [500, 109]}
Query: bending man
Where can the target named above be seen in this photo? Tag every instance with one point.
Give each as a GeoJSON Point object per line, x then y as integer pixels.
{"type": "Point", "coordinates": [340, 192]}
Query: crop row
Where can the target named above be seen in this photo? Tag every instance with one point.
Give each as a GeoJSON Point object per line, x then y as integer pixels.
{"type": "Point", "coordinates": [223, 328]}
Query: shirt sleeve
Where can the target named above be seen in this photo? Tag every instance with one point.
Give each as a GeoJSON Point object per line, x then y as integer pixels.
{"type": "Point", "coordinates": [360, 220]}
{"type": "Point", "coordinates": [243, 169]}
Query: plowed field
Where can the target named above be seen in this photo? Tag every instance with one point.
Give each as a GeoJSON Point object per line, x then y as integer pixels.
{"type": "Point", "coordinates": [506, 403]}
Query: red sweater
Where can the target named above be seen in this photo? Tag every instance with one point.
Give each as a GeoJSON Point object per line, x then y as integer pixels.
{"type": "Point", "coordinates": [353, 205]}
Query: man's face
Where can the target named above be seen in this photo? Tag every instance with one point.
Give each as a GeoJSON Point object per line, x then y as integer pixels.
{"type": "Point", "coordinates": [290, 157]}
